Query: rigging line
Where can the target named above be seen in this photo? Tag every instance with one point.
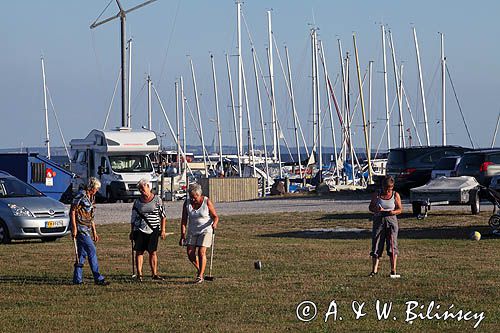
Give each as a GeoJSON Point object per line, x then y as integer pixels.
{"type": "Point", "coordinates": [97, 19]}
{"type": "Point", "coordinates": [199, 133]}
{"type": "Point", "coordinates": [57, 121]}
{"type": "Point", "coordinates": [411, 114]}
{"type": "Point", "coordinates": [112, 100]}
{"type": "Point", "coordinates": [459, 107]}
{"type": "Point", "coordinates": [385, 126]}
{"type": "Point", "coordinates": [97, 61]}
{"type": "Point", "coordinates": [169, 43]}
{"type": "Point", "coordinates": [136, 98]}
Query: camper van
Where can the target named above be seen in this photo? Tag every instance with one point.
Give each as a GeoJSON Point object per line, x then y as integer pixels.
{"type": "Point", "coordinates": [118, 158]}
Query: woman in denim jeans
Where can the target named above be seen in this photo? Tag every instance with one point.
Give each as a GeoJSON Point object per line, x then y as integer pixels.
{"type": "Point", "coordinates": [83, 230]}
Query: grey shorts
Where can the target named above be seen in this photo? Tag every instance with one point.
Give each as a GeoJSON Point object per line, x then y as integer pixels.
{"type": "Point", "coordinates": [204, 239]}
{"type": "Point", "coordinates": [385, 230]}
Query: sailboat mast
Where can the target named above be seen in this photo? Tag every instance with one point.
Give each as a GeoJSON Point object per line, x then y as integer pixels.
{"type": "Point", "coordinates": [183, 111]}
{"type": "Point", "coordinates": [271, 82]}
{"type": "Point", "coordinates": [45, 109]}
{"type": "Point", "coordinates": [150, 113]}
{"type": "Point", "coordinates": [217, 114]}
{"type": "Point", "coordinates": [129, 92]}
{"type": "Point", "coordinates": [318, 107]}
{"type": "Point", "coordinates": [199, 117]}
{"type": "Point", "coordinates": [365, 130]}
{"type": "Point", "coordinates": [240, 85]}
{"type": "Point", "coordinates": [313, 88]}
{"type": "Point", "coordinates": [249, 121]}
{"type": "Point", "coordinates": [386, 91]}
{"type": "Point", "coordinates": [261, 114]}
{"type": "Point", "coordinates": [370, 74]}
{"type": "Point", "coordinates": [234, 116]}
{"type": "Point", "coordinates": [295, 120]}
{"type": "Point", "coordinates": [402, 142]}
{"type": "Point", "coordinates": [443, 90]}
{"type": "Point", "coordinates": [422, 90]}
{"type": "Point", "coordinates": [334, 141]}
{"type": "Point", "coordinates": [177, 120]}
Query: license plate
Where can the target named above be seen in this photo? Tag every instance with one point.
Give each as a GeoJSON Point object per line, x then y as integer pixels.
{"type": "Point", "coordinates": [54, 224]}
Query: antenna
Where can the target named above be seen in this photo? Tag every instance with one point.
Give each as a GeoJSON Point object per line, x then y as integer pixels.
{"type": "Point", "coordinates": [122, 14]}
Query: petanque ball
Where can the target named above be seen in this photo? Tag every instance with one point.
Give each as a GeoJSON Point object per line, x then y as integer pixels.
{"type": "Point", "coordinates": [257, 264]}
{"type": "Point", "coordinates": [475, 236]}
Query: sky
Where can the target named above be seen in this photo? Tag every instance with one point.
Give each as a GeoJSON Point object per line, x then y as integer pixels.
{"type": "Point", "coordinates": [82, 65]}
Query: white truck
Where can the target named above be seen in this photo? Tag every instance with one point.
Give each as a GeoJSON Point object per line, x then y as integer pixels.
{"type": "Point", "coordinates": [119, 158]}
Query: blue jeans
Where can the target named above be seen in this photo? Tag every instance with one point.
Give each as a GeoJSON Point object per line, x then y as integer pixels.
{"type": "Point", "coordinates": [86, 248]}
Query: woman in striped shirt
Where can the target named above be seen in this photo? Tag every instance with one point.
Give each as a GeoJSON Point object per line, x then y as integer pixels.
{"type": "Point", "coordinates": [148, 223]}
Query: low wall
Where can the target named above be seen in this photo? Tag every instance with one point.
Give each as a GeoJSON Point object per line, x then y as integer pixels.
{"type": "Point", "coordinates": [230, 189]}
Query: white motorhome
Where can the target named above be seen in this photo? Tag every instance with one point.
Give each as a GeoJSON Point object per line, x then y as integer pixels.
{"type": "Point", "coordinates": [119, 158]}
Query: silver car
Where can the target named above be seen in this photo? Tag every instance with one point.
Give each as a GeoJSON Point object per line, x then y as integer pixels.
{"type": "Point", "coordinates": [27, 213]}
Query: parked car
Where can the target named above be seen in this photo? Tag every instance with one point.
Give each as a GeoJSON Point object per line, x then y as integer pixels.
{"type": "Point", "coordinates": [446, 167]}
{"type": "Point", "coordinates": [27, 213]}
{"type": "Point", "coordinates": [481, 164]}
{"type": "Point", "coordinates": [412, 167]}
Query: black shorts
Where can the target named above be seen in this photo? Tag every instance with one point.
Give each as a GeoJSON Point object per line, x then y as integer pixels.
{"type": "Point", "coordinates": [146, 242]}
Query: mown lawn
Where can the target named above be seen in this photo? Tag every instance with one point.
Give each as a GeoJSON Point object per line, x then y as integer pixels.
{"type": "Point", "coordinates": [437, 263]}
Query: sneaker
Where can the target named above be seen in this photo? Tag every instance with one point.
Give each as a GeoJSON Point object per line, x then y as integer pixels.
{"type": "Point", "coordinates": [138, 278]}
{"type": "Point", "coordinates": [394, 275]}
{"type": "Point", "coordinates": [78, 283]}
{"type": "Point", "coordinates": [198, 280]}
{"type": "Point", "coordinates": [372, 274]}
{"type": "Point", "coordinates": [158, 278]}
{"type": "Point", "coordinates": [102, 282]}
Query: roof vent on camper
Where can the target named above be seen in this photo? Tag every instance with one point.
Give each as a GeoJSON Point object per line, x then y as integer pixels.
{"type": "Point", "coordinates": [123, 129]}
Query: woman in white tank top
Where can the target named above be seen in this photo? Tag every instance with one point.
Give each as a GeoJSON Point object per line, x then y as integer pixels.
{"type": "Point", "coordinates": [200, 219]}
{"type": "Point", "coordinates": [385, 206]}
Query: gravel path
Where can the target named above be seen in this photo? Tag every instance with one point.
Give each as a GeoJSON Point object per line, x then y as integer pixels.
{"type": "Point", "coordinates": [120, 212]}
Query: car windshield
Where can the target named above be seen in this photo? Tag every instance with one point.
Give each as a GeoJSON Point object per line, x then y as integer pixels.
{"type": "Point", "coordinates": [446, 164]}
{"type": "Point", "coordinates": [130, 163]}
{"type": "Point", "coordinates": [13, 187]}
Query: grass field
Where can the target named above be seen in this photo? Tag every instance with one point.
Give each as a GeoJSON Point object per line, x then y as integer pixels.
{"type": "Point", "coordinates": [437, 263]}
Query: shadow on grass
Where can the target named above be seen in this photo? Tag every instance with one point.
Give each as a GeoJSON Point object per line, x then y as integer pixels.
{"type": "Point", "coordinates": [443, 232]}
{"type": "Point", "coordinates": [39, 280]}
{"type": "Point", "coordinates": [365, 216]}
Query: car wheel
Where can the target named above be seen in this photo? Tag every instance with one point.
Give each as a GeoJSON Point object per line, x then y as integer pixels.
{"type": "Point", "coordinates": [494, 221]}
{"type": "Point", "coordinates": [416, 208]}
{"type": "Point", "coordinates": [49, 239]}
{"type": "Point", "coordinates": [4, 233]}
{"type": "Point", "coordinates": [109, 197]}
{"type": "Point", "coordinates": [475, 205]}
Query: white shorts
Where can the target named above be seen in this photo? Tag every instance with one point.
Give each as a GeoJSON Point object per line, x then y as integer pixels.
{"type": "Point", "coordinates": [204, 239]}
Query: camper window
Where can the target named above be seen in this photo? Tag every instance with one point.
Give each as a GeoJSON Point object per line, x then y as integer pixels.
{"type": "Point", "coordinates": [130, 163]}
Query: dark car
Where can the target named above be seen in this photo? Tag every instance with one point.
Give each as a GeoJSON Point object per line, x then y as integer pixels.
{"type": "Point", "coordinates": [481, 164]}
{"type": "Point", "coordinates": [412, 167]}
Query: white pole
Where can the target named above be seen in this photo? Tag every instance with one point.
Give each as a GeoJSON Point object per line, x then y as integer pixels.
{"type": "Point", "coordinates": [240, 86]}
{"type": "Point", "coordinates": [348, 117]}
{"type": "Point", "coordinates": [266, 163]}
{"type": "Point", "coordinates": [217, 114]}
{"type": "Point", "coordinates": [271, 80]}
{"type": "Point", "coordinates": [177, 120]}
{"type": "Point", "coordinates": [360, 85]}
{"type": "Point", "coordinates": [402, 142]}
{"type": "Point", "coordinates": [313, 89]}
{"type": "Point", "coordinates": [183, 111]}
{"type": "Point", "coordinates": [343, 149]}
{"type": "Point", "coordinates": [295, 117]}
{"type": "Point", "coordinates": [150, 113]}
{"type": "Point", "coordinates": [234, 116]}
{"type": "Point", "coordinates": [443, 90]}
{"type": "Point", "coordinates": [199, 117]}
{"type": "Point", "coordinates": [387, 119]}
{"type": "Point", "coordinates": [334, 141]}
{"type": "Point", "coordinates": [45, 109]}
{"type": "Point", "coordinates": [370, 74]}
{"type": "Point", "coordinates": [250, 132]}
{"type": "Point", "coordinates": [495, 133]}
{"type": "Point", "coordinates": [129, 92]}
{"type": "Point", "coordinates": [318, 106]}
{"type": "Point", "coordinates": [422, 90]}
